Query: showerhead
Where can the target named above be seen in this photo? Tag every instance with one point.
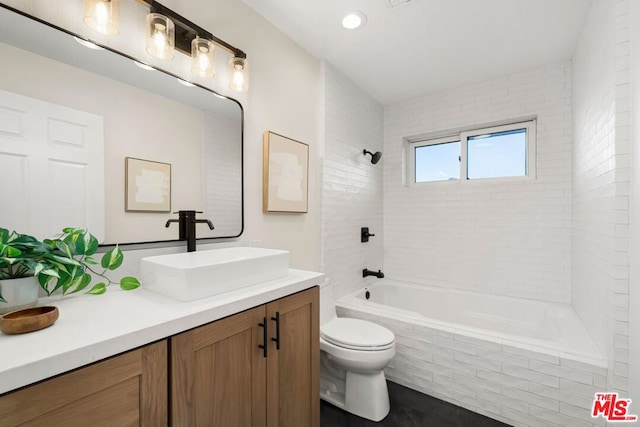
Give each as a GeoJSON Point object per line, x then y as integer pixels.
{"type": "Point", "coordinates": [375, 157]}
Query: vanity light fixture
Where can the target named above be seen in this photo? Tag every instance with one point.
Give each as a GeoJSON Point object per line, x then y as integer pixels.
{"type": "Point", "coordinates": [102, 16]}
{"type": "Point", "coordinates": [196, 42]}
{"type": "Point", "coordinates": [203, 57]}
{"type": "Point", "coordinates": [239, 74]}
{"type": "Point", "coordinates": [161, 37]}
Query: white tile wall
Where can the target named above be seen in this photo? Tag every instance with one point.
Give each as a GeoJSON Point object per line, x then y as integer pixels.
{"type": "Point", "coordinates": [514, 385]}
{"type": "Point", "coordinates": [351, 185]}
{"type": "Point", "coordinates": [601, 183]}
{"type": "Point", "coordinates": [510, 238]}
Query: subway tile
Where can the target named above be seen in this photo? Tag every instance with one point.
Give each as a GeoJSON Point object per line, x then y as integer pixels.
{"type": "Point", "coordinates": [536, 377]}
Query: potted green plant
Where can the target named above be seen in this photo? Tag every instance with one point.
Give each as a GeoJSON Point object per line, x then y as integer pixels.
{"type": "Point", "coordinates": [66, 264]}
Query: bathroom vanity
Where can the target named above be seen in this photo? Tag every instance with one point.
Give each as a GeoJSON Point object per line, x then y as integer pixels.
{"type": "Point", "coordinates": [246, 357]}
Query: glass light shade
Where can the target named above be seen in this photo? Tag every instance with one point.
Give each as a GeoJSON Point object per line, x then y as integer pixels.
{"type": "Point", "coordinates": [239, 74]}
{"type": "Point", "coordinates": [102, 16]}
{"type": "Point", "coordinates": [161, 36]}
{"type": "Point", "coordinates": [203, 57]}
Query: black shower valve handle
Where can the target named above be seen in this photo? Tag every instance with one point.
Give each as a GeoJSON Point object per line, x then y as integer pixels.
{"type": "Point", "coordinates": [364, 234]}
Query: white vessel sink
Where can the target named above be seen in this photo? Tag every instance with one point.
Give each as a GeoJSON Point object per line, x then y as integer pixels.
{"type": "Point", "coordinates": [193, 275]}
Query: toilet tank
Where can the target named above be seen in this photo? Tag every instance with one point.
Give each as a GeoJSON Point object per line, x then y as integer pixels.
{"type": "Point", "coordinates": [327, 304]}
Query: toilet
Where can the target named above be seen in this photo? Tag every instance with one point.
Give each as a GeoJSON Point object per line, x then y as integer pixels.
{"type": "Point", "coordinates": [353, 355]}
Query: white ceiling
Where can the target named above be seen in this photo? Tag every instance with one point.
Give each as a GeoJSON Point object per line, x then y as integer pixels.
{"type": "Point", "coordinates": [429, 45]}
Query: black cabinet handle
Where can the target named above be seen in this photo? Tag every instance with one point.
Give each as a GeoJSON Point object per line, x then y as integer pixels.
{"type": "Point", "coordinates": [264, 336]}
{"type": "Point", "coordinates": [277, 338]}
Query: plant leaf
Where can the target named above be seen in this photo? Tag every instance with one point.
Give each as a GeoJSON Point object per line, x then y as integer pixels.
{"type": "Point", "coordinates": [4, 235]}
{"type": "Point", "coordinates": [98, 289]}
{"type": "Point", "coordinates": [112, 259]}
{"type": "Point", "coordinates": [91, 260]}
{"type": "Point", "coordinates": [49, 272]}
{"type": "Point", "coordinates": [9, 251]}
{"type": "Point", "coordinates": [83, 283]}
{"type": "Point", "coordinates": [90, 244]}
{"type": "Point", "coordinates": [64, 248]}
{"type": "Point", "coordinates": [75, 241]}
{"type": "Point", "coordinates": [129, 283]}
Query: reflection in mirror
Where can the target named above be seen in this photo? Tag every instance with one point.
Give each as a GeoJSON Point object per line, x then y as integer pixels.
{"type": "Point", "coordinates": [92, 109]}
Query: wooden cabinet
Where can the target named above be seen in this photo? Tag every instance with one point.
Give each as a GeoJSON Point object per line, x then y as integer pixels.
{"type": "Point", "coordinates": [125, 390]}
{"type": "Point", "coordinates": [256, 368]}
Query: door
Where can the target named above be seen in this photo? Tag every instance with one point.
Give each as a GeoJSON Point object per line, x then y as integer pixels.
{"type": "Point", "coordinates": [218, 373]}
{"type": "Point", "coordinates": [51, 158]}
{"type": "Point", "coordinates": [294, 361]}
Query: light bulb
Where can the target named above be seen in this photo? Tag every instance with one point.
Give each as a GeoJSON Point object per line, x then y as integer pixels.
{"type": "Point", "coordinates": [202, 57]}
{"type": "Point", "coordinates": [239, 74]}
{"type": "Point", "coordinates": [102, 16]}
{"type": "Point", "coordinates": [354, 20]}
{"type": "Point", "coordinates": [160, 36]}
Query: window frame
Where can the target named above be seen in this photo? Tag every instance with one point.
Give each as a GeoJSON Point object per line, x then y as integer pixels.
{"type": "Point", "coordinates": [463, 137]}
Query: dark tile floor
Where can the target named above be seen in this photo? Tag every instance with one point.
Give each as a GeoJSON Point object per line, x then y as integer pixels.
{"type": "Point", "coordinates": [409, 408]}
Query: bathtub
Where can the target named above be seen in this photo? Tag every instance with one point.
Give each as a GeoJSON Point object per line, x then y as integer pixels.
{"type": "Point", "coordinates": [521, 361]}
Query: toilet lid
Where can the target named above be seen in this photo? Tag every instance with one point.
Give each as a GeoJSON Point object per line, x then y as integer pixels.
{"type": "Point", "coordinates": [356, 334]}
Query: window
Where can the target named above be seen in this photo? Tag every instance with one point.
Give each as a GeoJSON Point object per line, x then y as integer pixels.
{"type": "Point", "coordinates": [438, 161]}
{"type": "Point", "coordinates": [495, 152]}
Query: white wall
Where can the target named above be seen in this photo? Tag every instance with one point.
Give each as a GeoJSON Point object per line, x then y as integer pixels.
{"type": "Point", "coordinates": [351, 185]}
{"type": "Point", "coordinates": [284, 97]}
{"type": "Point", "coordinates": [634, 235]}
{"type": "Point", "coordinates": [501, 237]}
{"type": "Point", "coordinates": [601, 183]}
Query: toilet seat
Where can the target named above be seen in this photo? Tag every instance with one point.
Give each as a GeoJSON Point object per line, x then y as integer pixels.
{"type": "Point", "coordinates": [357, 334]}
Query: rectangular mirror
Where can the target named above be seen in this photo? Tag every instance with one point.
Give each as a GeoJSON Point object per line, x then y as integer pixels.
{"type": "Point", "coordinates": [70, 116]}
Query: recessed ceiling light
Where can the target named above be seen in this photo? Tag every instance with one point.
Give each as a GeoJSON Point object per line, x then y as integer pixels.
{"type": "Point", "coordinates": [354, 20]}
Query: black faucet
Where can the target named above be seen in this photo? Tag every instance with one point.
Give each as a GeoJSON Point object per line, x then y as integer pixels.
{"type": "Point", "coordinates": [366, 272]}
{"type": "Point", "coordinates": [187, 224]}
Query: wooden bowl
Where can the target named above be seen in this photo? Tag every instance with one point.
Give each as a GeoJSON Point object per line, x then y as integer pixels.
{"type": "Point", "coordinates": [28, 319]}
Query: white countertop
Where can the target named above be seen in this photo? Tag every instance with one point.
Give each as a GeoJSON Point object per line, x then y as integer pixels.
{"type": "Point", "coordinates": [91, 328]}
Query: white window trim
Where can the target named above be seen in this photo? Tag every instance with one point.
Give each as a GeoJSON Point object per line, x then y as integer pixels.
{"type": "Point", "coordinates": [463, 137]}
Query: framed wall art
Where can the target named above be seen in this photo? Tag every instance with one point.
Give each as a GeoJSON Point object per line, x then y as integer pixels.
{"type": "Point", "coordinates": [286, 174]}
{"type": "Point", "coordinates": [147, 186]}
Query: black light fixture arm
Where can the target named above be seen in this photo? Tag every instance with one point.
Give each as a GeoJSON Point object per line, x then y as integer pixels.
{"type": "Point", "coordinates": [186, 31]}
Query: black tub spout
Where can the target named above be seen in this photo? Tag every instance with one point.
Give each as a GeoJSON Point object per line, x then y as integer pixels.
{"type": "Point", "coordinates": [366, 272]}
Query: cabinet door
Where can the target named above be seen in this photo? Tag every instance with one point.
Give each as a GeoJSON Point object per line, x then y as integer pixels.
{"type": "Point", "coordinates": [126, 390]}
{"type": "Point", "coordinates": [293, 369]}
{"type": "Point", "coordinates": [218, 373]}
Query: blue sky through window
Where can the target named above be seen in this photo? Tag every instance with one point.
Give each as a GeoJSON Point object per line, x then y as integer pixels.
{"type": "Point", "coordinates": [497, 155]}
{"type": "Point", "coordinates": [438, 162]}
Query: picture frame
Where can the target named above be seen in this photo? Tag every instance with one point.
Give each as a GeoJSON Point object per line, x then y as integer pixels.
{"type": "Point", "coordinates": [147, 186]}
{"type": "Point", "coordinates": [285, 174]}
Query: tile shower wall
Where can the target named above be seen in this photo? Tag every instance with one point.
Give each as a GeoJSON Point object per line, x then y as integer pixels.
{"type": "Point", "coordinates": [221, 178]}
{"type": "Point", "coordinates": [351, 185]}
{"type": "Point", "coordinates": [601, 183]}
{"type": "Point", "coordinates": [509, 238]}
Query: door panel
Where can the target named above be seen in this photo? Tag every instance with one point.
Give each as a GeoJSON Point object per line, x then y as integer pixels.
{"type": "Point", "coordinates": [293, 370]}
{"type": "Point", "coordinates": [218, 376]}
